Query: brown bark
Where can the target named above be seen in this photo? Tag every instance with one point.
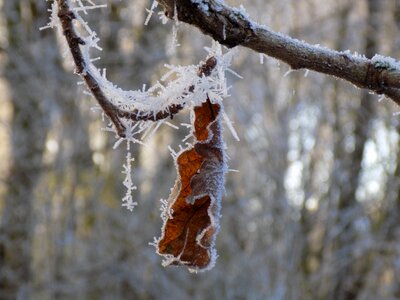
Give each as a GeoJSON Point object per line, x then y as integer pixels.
{"type": "Point", "coordinates": [232, 28]}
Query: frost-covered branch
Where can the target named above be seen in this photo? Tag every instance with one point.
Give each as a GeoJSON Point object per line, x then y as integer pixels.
{"type": "Point", "coordinates": [233, 27]}
{"type": "Point", "coordinates": [66, 16]}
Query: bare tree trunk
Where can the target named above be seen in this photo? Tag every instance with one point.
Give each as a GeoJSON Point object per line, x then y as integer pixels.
{"type": "Point", "coordinates": [31, 57]}
{"type": "Point", "coordinates": [350, 275]}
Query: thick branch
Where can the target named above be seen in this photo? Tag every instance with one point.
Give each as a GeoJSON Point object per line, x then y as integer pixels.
{"type": "Point", "coordinates": [66, 17]}
{"type": "Point", "coordinates": [232, 28]}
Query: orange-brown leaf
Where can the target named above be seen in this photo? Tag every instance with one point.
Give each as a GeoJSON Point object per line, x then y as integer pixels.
{"type": "Point", "coordinates": [189, 231]}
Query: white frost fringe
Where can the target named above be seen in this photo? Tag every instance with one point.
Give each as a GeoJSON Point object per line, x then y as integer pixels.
{"type": "Point", "coordinates": [186, 89]}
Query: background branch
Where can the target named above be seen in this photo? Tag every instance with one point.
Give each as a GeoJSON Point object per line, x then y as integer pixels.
{"type": "Point", "coordinates": [232, 27]}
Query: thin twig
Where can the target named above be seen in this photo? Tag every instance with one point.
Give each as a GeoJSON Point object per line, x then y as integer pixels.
{"type": "Point", "coordinates": [66, 16]}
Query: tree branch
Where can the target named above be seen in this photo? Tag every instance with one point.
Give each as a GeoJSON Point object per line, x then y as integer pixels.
{"type": "Point", "coordinates": [231, 27]}
{"type": "Point", "coordinates": [66, 16]}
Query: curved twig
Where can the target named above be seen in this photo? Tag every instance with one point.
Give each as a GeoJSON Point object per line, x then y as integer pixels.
{"type": "Point", "coordinates": [66, 17]}
{"type": "Point", "coordinates": [231, 28]}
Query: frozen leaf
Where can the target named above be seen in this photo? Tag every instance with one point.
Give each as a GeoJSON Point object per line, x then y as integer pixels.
{"type": "Point", "coordinates": [193, 211]}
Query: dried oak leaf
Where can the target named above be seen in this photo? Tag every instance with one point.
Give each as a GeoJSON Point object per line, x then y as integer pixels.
{"type": "Point", "coordinates": [191, 221]}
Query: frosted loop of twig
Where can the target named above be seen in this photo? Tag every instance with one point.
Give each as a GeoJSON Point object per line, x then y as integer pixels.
{"type": "Point", "coordinates": [186, 89]}
{"type": "Point", "coordinates": [186, 83]}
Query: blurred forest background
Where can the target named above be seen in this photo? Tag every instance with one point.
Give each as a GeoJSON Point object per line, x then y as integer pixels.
{"type": "Point", "coordinates": [314, 212]}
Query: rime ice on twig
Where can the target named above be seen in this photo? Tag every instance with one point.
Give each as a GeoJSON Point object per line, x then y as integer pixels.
{"type": "Point", "coordinates": [134, 115]}
{"type": "Point", "coordinates": [150, 12]}
{"type": "Point", "coordinates": [233, 27]}
{"type": "Point", "coordinates": [127, 201]}
{"type": "Point", "coordinates": [158, 102]}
